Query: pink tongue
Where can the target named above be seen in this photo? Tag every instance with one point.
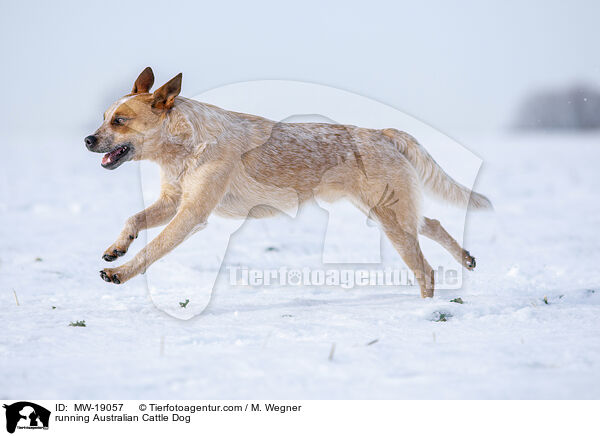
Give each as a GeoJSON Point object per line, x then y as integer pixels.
{"type": "Point", "coordinates": [109, 157]}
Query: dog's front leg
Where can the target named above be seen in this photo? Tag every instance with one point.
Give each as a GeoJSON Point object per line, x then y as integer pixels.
{"type": "Point", "coordinates": [157, 214]}
{"type": "Point", "coordinates": [205, 189]}
{"type": "Point", "coordinates": [174, 234]}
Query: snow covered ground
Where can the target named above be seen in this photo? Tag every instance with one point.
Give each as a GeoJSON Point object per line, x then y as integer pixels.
{"type": "Point", "coordinates": [528, 327]}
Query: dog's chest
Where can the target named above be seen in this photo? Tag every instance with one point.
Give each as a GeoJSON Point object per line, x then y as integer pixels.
{"type": "Point", "coordinates": [247, 197]}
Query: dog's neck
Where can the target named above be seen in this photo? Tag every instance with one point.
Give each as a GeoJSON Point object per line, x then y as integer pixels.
{"type": "Point", "coordinates": [171, 156]}
{"type": "Point", "coordinates": [183, 135]}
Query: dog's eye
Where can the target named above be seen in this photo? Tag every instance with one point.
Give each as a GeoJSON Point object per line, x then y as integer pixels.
{"type": "Point", "coordinates": [119, 121]}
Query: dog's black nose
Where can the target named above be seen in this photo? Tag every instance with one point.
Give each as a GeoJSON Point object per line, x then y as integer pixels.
{"type": "Point", "coordinates": [90, 141]}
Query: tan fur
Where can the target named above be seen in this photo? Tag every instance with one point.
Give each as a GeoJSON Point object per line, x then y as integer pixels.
{"type": "Point", "coordinates": [240, 165]}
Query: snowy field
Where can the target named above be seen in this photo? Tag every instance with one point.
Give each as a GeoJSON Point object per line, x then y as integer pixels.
{"type": "Point", "coordinates": [528, 327]}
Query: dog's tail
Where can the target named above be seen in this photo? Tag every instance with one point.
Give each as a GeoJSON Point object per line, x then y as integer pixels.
{"type": "Point", "coordinates": [434, 178]}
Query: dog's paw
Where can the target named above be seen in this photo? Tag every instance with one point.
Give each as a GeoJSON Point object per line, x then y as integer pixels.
{"type": "Point", "coordinates": [110, 276]}
{"type": "Point", "coordinates": [468, 261]}
{"type": "Point", "coordinates": [113, 253]}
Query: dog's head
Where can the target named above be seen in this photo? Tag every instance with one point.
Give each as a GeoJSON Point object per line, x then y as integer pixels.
{"type": "Point", "coordinates": [132, 126]}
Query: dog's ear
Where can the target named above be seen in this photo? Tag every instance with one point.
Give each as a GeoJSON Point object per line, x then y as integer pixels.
{"type": "Point", "coordinates": [164, 97]}
{"type": "Point", "coordinates": [144, 81]}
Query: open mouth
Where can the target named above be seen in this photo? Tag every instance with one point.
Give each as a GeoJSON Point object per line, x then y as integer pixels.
{"type": "Point", "coordinates": [116, 157]}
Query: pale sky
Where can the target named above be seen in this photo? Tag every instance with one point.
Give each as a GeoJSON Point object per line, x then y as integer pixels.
{"type": "Point", "coordinates": [459, 66]}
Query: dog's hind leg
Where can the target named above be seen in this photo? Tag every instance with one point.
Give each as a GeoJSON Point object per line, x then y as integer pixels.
{"type": "Point", "coordinates": [393, 199]}
{"type": "Point", "coordinates": [434, 230]}
{"type": "Point", "coordinates": [407, 245]}
{"type": "Point", "coordinates": [404, 238]}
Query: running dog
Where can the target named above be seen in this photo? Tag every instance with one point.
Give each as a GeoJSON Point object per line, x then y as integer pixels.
{"type": "Point", "coordinates": [239, 165]}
